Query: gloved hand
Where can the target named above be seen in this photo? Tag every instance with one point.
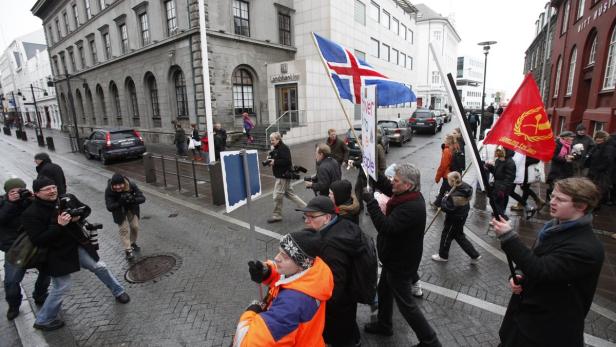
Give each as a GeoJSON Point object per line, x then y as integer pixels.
{"type": "Point", "coordinates": [367, 194]}
{"type": "Point", "coordinates": [255, 306]}
{"type": "Point", "coordinates": [258, 271]}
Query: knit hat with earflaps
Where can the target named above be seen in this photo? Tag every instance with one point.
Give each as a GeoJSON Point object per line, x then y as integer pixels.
{"type": "Point", "coordinates": [302, 246]}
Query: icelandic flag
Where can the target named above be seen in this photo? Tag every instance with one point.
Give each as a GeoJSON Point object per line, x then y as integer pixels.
{"type": "Point", "coordinates": [350, 73]}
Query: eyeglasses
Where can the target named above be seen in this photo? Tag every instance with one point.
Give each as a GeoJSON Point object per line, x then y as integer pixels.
{"type": "Point", "coordinates": [48, 188]}
{"type": "Point", "coordinates": [309, 217]}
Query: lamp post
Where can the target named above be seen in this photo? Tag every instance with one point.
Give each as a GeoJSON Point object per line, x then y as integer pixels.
{"type": "Point", "coordinates": [39, 134]}
{"type": "Point", "coordinates": [71, 105]}
{"type": "Point", "coordinates": [486, 49]}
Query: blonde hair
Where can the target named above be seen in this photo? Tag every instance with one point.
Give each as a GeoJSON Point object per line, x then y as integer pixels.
{"type": "Point", "coordinates": [275, 136]}
{"type": "Point", "coordinates": [601, 135]}
{"type": "Point", "coordinates": [330, 131]}
{"type": "Point", "coordinates": [455, 177]}
{"type": "Point", "coordinates": [324, 149]}
{"type": "Point", "coordinates": [581, 190]}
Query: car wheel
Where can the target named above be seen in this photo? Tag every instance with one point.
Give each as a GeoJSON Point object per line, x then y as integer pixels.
{"type": "Point", "coordinates": [87, 153]}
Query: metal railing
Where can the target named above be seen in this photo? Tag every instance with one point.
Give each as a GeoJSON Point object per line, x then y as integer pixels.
{"type": "Point", "coordinates": [182, 169]}
{"type": "Point", "coordinates": [289, 119]}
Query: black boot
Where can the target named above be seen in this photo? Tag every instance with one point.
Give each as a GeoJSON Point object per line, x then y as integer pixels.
{"type": "Point", "coordinates": [12, 313]}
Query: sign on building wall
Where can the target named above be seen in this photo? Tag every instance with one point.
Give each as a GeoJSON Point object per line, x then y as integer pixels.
{"type": "Point", "coordinates": [368, 130]}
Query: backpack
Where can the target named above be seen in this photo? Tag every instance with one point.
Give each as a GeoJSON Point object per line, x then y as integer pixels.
{"type": "Point", "coordinates": [364, 271]}
{"type": "Point", "coordinates": [24, 254]}
{"type": "Point", "coordinates": [458, 162]}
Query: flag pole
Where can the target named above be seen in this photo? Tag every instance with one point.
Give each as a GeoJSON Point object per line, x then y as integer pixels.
{"type": "Point", "coordinates": [314, 39]}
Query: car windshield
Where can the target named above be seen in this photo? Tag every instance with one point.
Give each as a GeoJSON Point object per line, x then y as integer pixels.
{"type": "Point", "coordinates": [422, 115]}
{"type": "Point", "coordinates": [389, 124]}
{"type": "Point", "coordinates": [122, 135]}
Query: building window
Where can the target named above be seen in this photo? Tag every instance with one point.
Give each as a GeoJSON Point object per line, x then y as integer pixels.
{"type": "Point", "coordinates": [410, 62]}
{"type": "Point", "coordinates": [284, 29]}
{"type": "Point", "coordinates": [144, 28]}
{"type": "Point", "coordinates": [411, 36]}
{"type": "Point", "coordinates": [50, 34]}
{"type": "Point", "coordinates": [437, 35]}
{"type": "Point", "coordinates": [93, 51]}
{"type": "Point", "coordinates": [386, 19]}
{"type": "Point", "coordinates": [375, 46]}
{"type": "Point", "coordinates": [172, 19]}
{"type": "Point", "coordinates": [360, 55]}
{"type": "Point", "coordinates": [360, 12]}
{"type": "Point", "coordinates": [56, 66]}
{"type": "Point", "coordinates": [394, 56]}
{"type": "Point", "coordinates": [597, 126]}
{"type": "Point", "coordinates": [80, 106]}
{"type": "Point", "coordinates": [571, 72]}
{"type": "Point", "coordinates": [559, 66]}
{"type": "Point", "coordinates": [101, 4]}
{"type": "Point", "coordinates": [374, 11]}
{"type": "Point", "coordinates": [395, 26]}
{"type": "Point", "coordinates": [88, 9]}
{"type": "Point", "coordinates": [609, 81]}
{"type": "Point", "coordinates": [101, 99]}
{"type": "Point", "coordinates": [436, 78]}
{"type": "Point", "coordinates": [180, 94]}
{"type": "Point", "coordinates": [565, 21]}
{"type": "Point", "coordinates": [116, 103]}
{"type": "Point", "coordinates": [67, 25]}
{"type": "Point", "coordinates": [82, 57]}
{"type": "Point", "coordinates": [107, 43]}
{"type": "Point", "coordinates": [156, 120]}
{"type": "Point", "coordinates": [76, 16]}
{"type": "Point", "coordinates": [385, 53]}
{"type": "Point", "coordinates": [242, 91]}
{"type": "Point", "coordinates": [58, 32]}
{"type": "Point", "coordinates": [402, 59]}
{"type": "Point", "coordinates": [580, 9]}
{"type": "Point", "coordinates": [63, 62]}
{"type": "Point", "coordinates": [593, 51]}
{"type": "Point", "coordinates": [241, 18]}
{"type": "Point", "coordinates": [403, 31]}
{"type": "Point", "coordinates": [134, 106]}
{"type": "Point", "coordinates": [124, 38]}
{"type": "Point", "coordinates": [71, 57]}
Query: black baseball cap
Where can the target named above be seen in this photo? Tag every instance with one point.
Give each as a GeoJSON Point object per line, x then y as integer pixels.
{"type": "Point", "coordinates": [319, 204]}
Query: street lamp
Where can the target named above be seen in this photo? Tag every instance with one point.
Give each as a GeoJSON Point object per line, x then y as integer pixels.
{"type": "Point", "coordinates": [39, 134]}
{"type": "Point", "coordinates": [68, 77]}
{"type": "Point", "coordinates": [486, 49]}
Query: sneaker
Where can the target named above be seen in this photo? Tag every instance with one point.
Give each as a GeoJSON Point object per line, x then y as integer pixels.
{"type": "Point", "coordinates": [416, 290]}
{"type": "Point", "coordinates": [135, 247]}
{"type": "Point", "coordinates": [129, 254]}
{"type": "Point", "coordinates": [517, 207]}
{"type": "Point", "coordinates": [123, 298]}
{"type": "Point", "coordinates": [274, 220]}
{"type": "Point", "coordinates": [377, 329]}
{"type": "Point", "coordinates": [12, 313]}
{"type": "Point", "coordinates": [437, 257]}
{"type": "Point", "coordinates": [475, 260]}
{"type": "Point", "coordinates": [53, 325]}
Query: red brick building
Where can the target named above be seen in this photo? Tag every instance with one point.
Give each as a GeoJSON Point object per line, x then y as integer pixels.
{"type": "Point", "coordinates": [583, 69]}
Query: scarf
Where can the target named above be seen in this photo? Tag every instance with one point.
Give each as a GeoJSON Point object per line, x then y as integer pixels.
{"type": "Point", "coordinates": [555, 226]}
{"type": "Point", "coordinates": [400, 199]}
{"type": "Point", "coordinates": [565, 149]}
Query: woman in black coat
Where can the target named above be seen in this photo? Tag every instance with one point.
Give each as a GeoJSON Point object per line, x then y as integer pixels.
{"type": "Point", "coordinates": [503, 170]}
{"type": "Point", "coordinates": [601, 158]}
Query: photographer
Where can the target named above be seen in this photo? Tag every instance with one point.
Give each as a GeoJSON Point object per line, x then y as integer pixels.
{"type": "Point", "coordinates": [57, 225]}
{"type": "Point", "coordinates": [328, 171]}
{"type": "Point", "coordinates": [282, 166]}
{"type": "Point", "coordinates": [122, 199]}
{"type": "Point", "coordinates": [12, 205]}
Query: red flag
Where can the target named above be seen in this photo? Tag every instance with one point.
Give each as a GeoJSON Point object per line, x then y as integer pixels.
{"type": "Point", "coordinates": [524, 126]}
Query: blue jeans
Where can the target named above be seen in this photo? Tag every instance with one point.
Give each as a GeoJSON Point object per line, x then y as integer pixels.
{"type": "Point", "coordinates": [59, 287]}
{"type": "Point", "coordinates": [12, 278]}
{"type": "Point", "coordinates": [100, 270]}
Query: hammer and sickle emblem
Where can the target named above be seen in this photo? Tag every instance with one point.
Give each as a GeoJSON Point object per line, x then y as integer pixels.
{"type": "Point", "coordinates": [542, 129]}
{"type": "Point", "coordinates": [538, 126]}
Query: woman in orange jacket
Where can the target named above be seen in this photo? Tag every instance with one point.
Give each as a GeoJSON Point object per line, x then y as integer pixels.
{"type": "Point", "coordinates": [293, 312]}
{"type": "Point", "coordinates": [450, 146]}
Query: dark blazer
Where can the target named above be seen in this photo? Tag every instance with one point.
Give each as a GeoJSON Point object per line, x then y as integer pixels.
{"type": "Point", "coordinates": [117, 206]}
{"type": "Point", "coordinates": [560, 278]}
{"type": "Point", "coordinates": [40, 222]}
{"type": "Point", "coordinates": [400, 233]}
{"type": "Point", "coordinates": [339, 149]}
{"type": "Point", "coordinates": [54, 172]}
{"type": "Point", "coordinates": [282, 160]}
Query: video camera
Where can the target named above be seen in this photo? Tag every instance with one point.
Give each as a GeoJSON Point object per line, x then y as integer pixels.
{"type": "Point", "coordinates": [92, 232]}
{"type": "Point", "coordinates": [293, 173]}
{"type": "Point", "coordinates": [127, 197]}
{"type": "Point", "coordinates": [63, 206]}
{"type": "Point", "coordinates": [271, 155]}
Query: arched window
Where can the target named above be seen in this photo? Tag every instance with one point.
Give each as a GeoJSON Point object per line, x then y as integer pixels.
{"type": "Point", "coordinates": [559, 66]}
{"type": "Point", "coordinates": [242, 91]}
{"type": "Point", "coordinates": [153, 94]}
{"type": "Point", "coordinates": [571, 75]}
{"type": "Point", "coordinates": [593, 51]}
{"type": "Point", "coordinates": [180, 94]}
{"type": "Point", "coordinates": [90, 105]}
{"type": "Point", "coordinates": [101, 100]}
{"type": "Point", "coordinates": [115, 94]}
{"type": "Point", "coordinates": [132, 102]}
{"type": "Point", "coordinates": [565, 21]}
{"type": "Point", "coordinates": [80, 106]}
{"type": "Point", "coordinates": [609, 81]}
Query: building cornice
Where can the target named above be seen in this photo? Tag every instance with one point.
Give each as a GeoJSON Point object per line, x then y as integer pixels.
{"type": "Point", "coordinates": [249, 40]}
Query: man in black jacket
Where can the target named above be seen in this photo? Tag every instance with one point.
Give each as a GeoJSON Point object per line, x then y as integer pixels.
{"type": "Point", "coordinates": [558, 277]}
{"type": "Point", "coordinates": [44, 167]}
{"type": "Point", "coordinates": [50, 226]}
{"type": "Point", "coordinates": [282, 164]}
{"type": "Point", "coordinates": [122, 198]}
{"type": "Point", "coordinates": [12, 205]}
{"type": "Point", "coordinates": [341, 239]}
{"type": "Point", "coordinates": [220, 140]}
{"type": "Point", "coordinates": [400, 246]}
{"type": "Point", "coordinates": [328, 171]}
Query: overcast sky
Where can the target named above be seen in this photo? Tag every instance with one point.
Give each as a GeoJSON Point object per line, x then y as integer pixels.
{"type": "Point", "coordinates": [511, 23]}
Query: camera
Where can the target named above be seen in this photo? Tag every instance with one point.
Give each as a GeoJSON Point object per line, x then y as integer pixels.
{"type": "Point", "coordinates": [271, 155]}
{"type": "Point", "coordinates": [92, 232]}
{"type": "Point", "coordinates": [293, 173]}
{"type": "Point", "coordinates": [24, 193]}
{"type": "Point", "coordinates": [63, 206]}
{"type": "Point", "coordinates": [266, 162]}
{"type": "Point", "coordinates": [127, 197]}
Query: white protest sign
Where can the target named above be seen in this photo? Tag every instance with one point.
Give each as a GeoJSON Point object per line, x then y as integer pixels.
{"type": "Point", "coordinates": [368, 130]}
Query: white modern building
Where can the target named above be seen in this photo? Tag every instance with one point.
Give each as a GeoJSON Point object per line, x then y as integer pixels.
{"type": "Point", "coordinates": [440, 31]}
{"type": "Point", "coordinates": [469, 80]}
{"type": "Point", "coordinates": [381, 32]}
{"type": "Point", "coordinates": [24, 71]}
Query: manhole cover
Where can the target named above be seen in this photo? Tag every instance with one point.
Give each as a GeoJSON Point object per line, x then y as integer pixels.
{"type": "Point", "coordinates": [149, 268]}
